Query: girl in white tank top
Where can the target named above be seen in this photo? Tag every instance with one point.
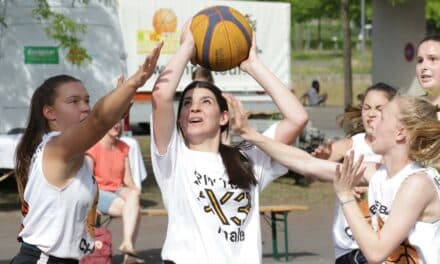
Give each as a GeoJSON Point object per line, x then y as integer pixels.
{"type": "Point", "coordinates": [56, 187]}
{"type": "Point", "coordinates": [375, 98]}
{"type": "Point", "coordinates": [343, 240]}
{"type": "Point", "coordinates": [319, 168]}
{"type": "Point", "coordinates": [404, 197]}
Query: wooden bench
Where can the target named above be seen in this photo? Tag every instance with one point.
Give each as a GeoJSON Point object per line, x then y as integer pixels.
{"type": "Point", "coordinates": [278, 213]}
{"type": "Point", "coordinates": [154, 212]}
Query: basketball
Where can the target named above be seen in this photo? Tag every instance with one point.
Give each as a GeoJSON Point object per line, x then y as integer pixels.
{"type": "Point", "coordinates": [222, 37]}
{"type": "Point", "coordinates": [164, 20]}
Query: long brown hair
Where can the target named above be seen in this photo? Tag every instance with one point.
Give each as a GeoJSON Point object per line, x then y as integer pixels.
{"type": "Point", "coordinates": [238, 165]}
{"type": "Point", "coordinates": [419, 117]}
{"type": "Point", "coordinates": [37, 126]}
{"type": "Point", "coordinates": [351, 120]}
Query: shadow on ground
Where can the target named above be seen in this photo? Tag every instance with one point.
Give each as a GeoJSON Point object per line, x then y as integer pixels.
{"type": "Point", "coordinates": [151, 256]}
{"type": "Point", "coordinates": [291, 255]}
{"type": "Point", "coordinates": [147, 203]}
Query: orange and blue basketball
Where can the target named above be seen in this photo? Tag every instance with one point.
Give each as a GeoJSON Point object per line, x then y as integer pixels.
{"type": "Point", "coordinates": [222, 37]}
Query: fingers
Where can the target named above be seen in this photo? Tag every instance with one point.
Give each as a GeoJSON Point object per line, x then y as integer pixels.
{"type": "Point", "coordinates": [329, 145]}
{"type": "Point", "coordinates": [121, 81]}
{"type": "Point", "coordinates": [151, 60]}
{"type": "Point", "coordinates": [254, 42]}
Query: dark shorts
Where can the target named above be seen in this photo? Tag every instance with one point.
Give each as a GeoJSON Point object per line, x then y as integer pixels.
{"type": "Point", "coordinates": [31, 254]}
{"type": "Point", "coordinates": [353, 257]}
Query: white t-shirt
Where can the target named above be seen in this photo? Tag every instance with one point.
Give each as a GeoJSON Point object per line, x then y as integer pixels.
{"type": "Point", "coordinates": [423, 242]}
{"type": "Point", "coordinates": [56, 218]}
{"type": "Point", "coordinates": [343, 240]}
{"type": "Point", "coordinates": [210, 221]}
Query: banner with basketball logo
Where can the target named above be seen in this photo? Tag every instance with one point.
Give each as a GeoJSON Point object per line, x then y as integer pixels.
{"type": "Point", "coordinates": [145, 23]}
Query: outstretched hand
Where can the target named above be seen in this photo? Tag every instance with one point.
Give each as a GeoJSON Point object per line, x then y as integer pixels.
{"type": "Point", "coordinates": [348, 175]}
{"type": "Point", "coordinates": [238, 117]}
{"type": "Point", "coordinates": [145, 71]}
{"type": "Point", "coordinates": [323, 152]}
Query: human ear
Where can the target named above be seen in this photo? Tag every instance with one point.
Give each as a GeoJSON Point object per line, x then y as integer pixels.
{"type": "Point", "coordinates": [49, 113]}
{"type": "Point", "coordinates": [401, 133]}
{"type": "Point", "coordinates": [224, 118]}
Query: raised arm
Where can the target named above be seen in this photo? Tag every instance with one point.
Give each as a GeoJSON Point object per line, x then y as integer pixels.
{"type": "Point", "coordinates": [291, 157]}
{"type": "Point", "coordinates": [165, 89]}
{"type": "Point", "coordinates": [333, 151]}
{"type": "Point", "coordinates": [294, 115]}
{"type": "Point", "coordinates": [108, 110]}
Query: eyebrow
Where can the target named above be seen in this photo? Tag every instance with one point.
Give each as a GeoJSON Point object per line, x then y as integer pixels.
{"type": "Point", "coordinates": [201, 98]}
{"type": "Point", "coordinates": [78, 96]}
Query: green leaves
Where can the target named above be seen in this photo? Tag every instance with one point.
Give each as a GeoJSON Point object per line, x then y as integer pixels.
{"type": "Point", "coordinates": [64, 30]}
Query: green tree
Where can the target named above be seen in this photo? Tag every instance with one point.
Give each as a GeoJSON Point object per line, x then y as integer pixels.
{"type": "Point", "coordinates": [433, 12]}
{"type": "Point", "coordinates": [348, 78]}
{"type": "Point", "coordinates": [66, 32]}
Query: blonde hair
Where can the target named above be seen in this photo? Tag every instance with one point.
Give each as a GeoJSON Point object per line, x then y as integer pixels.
{"type": "Point", "coordinates": [419, 117]}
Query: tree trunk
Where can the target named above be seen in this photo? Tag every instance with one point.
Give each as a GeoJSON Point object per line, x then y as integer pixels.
{"type": "Point", "coordinates": [348, 80]}
{"type": "Point", "coordinates": [319, 34]}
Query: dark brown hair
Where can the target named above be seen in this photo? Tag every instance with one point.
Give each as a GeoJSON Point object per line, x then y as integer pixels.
{"type": "Point", "coordinates": [351, 120]}
{"type": "Point", "coordinates": [428, 38]}
{"type": "Point", "coordinates": [37, 126]}
{"type": "Point", "coordinates": [238, 165]}
{"type": "Point", "coordinates": [202, 74]}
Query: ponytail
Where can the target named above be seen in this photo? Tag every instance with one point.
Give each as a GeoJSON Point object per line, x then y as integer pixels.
{"type": "Point", "coordinates": [238, 167]}
{"type": "Point", "coordinates": [424, 142]}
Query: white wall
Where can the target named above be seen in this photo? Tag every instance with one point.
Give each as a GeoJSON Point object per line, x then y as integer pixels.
{"type": "Point", "coordinates": [393, 28]}
{"type": "Point", "coordinates": [18, 80]}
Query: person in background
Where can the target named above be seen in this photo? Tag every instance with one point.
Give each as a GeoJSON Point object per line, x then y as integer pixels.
{"type": "Point", "coordinates": [313, 96]}
{"type": "Point", "coordinates": [118, 194]}
{"type": "Point", "coordinates": [428, 67]}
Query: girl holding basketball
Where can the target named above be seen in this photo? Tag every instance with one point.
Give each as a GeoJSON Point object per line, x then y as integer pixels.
{"type": "Point", "coordinates": [56, 187]}
{"type": "Point", "coordinates": [211, 190]}
{"type": "Point", "coordinates": [403, 196]}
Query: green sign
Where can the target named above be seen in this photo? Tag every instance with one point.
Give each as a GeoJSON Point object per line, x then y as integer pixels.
{"type": "Point", "coordinates": [41, 55]}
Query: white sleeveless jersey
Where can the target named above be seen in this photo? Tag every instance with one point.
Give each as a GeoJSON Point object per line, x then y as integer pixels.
{"type": "Point", "coordinates": [56, 219]}
{"type": "Point", "coordinates": [423, 242]}
{"type": "Point", "coordinates": [343, 240]}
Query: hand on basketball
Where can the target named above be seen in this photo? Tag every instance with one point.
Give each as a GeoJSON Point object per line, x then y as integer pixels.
{"type": "Point", "coordinates": [145, 71]}
{"type": "Point", "coordinates": [245, 65]}
{"type": "Point", "coordinates": [323, 152]}
{"type": "Point", "coordinates": [348, 175]}
{"type": "Point", "coordinates": [187, 40]}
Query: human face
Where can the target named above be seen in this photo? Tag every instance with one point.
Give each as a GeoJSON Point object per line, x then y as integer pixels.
{"type": "Point", "coordinates": [200, 117]}
{"type": "Point", "coordinates": [428, 67]}
{"type": "Point", "coordinates": [386, 131]}
{"type": "Point", "coordinates": [71, 105]}
{"type": "Point", "coordinates": [372, 107]}
{"type": "Point", "coordinates": [115, 131]}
